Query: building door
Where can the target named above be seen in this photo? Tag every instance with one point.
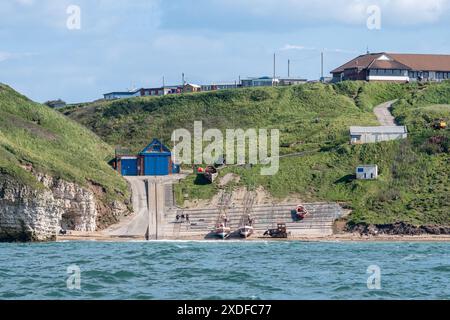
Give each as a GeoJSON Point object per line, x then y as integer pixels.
{"type": "Point", "coordinates": [157, 165]}
{"type": "Point", "coordinates": [129, 167]}
{"type": "Point", "coordinates": [162, 166]}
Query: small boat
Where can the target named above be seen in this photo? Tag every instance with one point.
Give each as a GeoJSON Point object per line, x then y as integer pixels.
{"type": "Point", "coordinates": [301, 212]}
{"type": "Point", "coordinates": [246, 229]}
{"type": "Point", "coordinates": [222, 231]}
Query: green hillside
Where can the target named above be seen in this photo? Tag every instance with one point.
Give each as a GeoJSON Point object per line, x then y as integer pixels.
{"type": "Point", "coordinates": [413, 186]}
{"type": "Point", "coordinates": [35, 136]}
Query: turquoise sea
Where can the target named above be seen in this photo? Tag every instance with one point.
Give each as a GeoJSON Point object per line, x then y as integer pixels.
{"type": "Point", "coordinates": [224, 270]}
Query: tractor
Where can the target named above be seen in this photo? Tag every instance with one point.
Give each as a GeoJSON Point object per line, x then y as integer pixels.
{"type": "Point", "coordinates": [279, 232]}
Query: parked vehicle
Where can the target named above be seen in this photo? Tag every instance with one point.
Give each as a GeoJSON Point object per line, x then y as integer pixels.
{"type": "Point", "coordinates": [440, 124]}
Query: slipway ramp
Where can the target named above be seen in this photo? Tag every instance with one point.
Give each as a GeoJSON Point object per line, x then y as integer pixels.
{"type": "Point", "coordinates": [137, 224]}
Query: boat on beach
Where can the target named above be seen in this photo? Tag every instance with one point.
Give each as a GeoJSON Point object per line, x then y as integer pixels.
{"type": "Point", "coordinates": [246, 225]}
{"type": "Point", "coordinates": [246, 229]}
{"type": "Point", "coordinates": [222, 230]}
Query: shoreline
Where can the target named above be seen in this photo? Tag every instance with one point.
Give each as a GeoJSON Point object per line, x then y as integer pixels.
{"type": "Point", "coordinates": [347, 237]}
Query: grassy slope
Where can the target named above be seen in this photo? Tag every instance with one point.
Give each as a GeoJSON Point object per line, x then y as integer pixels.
{"type": "Point", "coordinates": [413, 186]}
{"type": "Point", "coordinates": [33, 134]}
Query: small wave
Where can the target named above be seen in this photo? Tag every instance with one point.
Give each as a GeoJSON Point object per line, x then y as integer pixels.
{"type": "Point", "coordinates": [123, 274]}
{"type": "Point", "coordinates": [415, 257]}
{"type": "Point", "coordinates": [342, 288]}
{"type": "Point", "coordinates": [442, 268]}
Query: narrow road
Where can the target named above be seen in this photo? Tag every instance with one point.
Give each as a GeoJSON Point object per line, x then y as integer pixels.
{"type": "Point", "coordinates": [383, 114]}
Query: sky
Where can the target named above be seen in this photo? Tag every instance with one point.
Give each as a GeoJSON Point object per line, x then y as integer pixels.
{"type": "Point", "coordinates": [76, 50]}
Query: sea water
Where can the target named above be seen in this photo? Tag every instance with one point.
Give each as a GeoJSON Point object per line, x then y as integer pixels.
{"type": "Point", "coordinates": [225, 270]}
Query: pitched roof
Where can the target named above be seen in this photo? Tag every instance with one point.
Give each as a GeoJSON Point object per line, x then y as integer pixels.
{"type": "Point", "coordinates": [418, 62]}
{"type": "Point", "coordinates": [388, 64]}
{"type": "Point", "coordinates": [124, 92]}
{"type": "Point", "coordinates": [193, 85]}
{"type": "Point", "coordinates": [424, 62]}
{"type": "Point", "coordinates": [155, 146]}
{"type": "Point", "coordinates": [362, 62]}
{"type": "Point", "coordinates": [379, 129]}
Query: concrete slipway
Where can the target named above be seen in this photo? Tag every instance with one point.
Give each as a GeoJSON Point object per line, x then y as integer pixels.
{"type": "Point", "coordinates": [155, 215]}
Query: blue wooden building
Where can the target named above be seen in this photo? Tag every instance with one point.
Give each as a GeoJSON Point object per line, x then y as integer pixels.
{"type": "Point", "coordinates": [154, 160]}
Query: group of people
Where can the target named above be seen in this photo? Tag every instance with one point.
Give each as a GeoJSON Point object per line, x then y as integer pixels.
{"type": "Point", "coordinates": [183, 217]}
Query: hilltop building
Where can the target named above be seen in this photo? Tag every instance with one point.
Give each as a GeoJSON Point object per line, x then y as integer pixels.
{"type": "Point", "coordinates": [122, 94]}
{"type": "Point", "coordinates": [143, 92]}
{"type": "Point", "coordinates": [395, 67]}
{"type": "Point", "coordinates": [220, 86]}
{"type": "Point", "coordinates": [161, 91]}
{"type": "Point", "coordinates": [190, 87]}
{"type": "Point", "coordinates": [259, 82]}
{"type": "Point", "coordinates": [271, 82]}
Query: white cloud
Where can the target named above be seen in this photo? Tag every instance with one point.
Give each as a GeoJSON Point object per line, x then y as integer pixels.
{"type": "Point", "coordinates": [295, 47]}
{"type": "Point", "coordinates": [4, 56]}
{"type": "Point", "coordinates": [25, 2]}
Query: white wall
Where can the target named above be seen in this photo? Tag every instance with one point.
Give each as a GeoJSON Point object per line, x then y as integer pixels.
{"type": "Point", "coordinates": [388, 78]}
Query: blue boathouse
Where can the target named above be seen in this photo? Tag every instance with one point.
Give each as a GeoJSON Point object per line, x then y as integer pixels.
{"type": "Point", "coordinates": [154, 160]}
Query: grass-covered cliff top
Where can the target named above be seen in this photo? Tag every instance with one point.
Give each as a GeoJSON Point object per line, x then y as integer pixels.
{"type": "Point", "coordinates": [413, 185]}
{"type": "Point", "coordinates": [323, 112]}
{"type": "Point", "coordinates": [35, 136]}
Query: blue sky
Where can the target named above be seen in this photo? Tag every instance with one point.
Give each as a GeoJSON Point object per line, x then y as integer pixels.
{"type": "Point", "coordinates": [135, 43]}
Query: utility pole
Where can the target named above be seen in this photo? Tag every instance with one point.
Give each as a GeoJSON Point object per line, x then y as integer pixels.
{"type": "Point", "coordinates": [321, 66]}
{"type": "Point", "coordinates": [274, 68]}
{"type": "Point", "coordinates": [289, 68]}
{"type": "Point", "coordinates": [182, 81]}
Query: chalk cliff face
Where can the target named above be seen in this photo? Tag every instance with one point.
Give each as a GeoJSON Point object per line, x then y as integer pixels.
{"type": "Point", "coordinates": [27, 214]}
